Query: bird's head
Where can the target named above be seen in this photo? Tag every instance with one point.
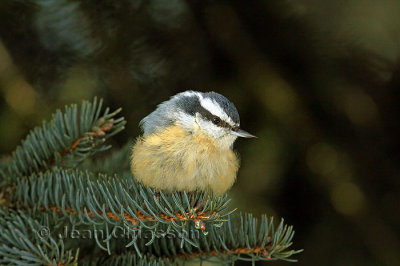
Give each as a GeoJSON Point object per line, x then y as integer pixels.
{"type": "Point", "coordinates": [207, 112]}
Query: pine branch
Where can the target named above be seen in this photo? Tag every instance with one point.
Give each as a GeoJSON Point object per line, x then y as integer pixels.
{"type": "Point", "coordinates": [99, 202]}
{"type": "Point", "coordinates": [103, 200]}
{"type": "Point", "coordinates": [133, 259]}
{"type": "Point", "coordinates": [21, 244]}
{"type": "Point", "coordinates": [238, 239]}
{"type": "Point", "coordinates": [68, 139]}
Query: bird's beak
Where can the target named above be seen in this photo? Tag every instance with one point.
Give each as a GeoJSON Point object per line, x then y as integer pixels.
{"type": "Point", "coordinates": [242, 133]}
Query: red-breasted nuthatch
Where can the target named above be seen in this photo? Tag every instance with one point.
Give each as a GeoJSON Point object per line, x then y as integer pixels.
{"type": "Point", "coordinates": [187, 144]}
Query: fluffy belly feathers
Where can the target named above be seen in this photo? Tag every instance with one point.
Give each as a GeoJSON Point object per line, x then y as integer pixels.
{"type": "Point", "coordinates": [178, 160]}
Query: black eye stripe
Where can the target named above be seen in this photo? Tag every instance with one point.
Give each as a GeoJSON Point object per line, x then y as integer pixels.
{"type": "Point", "coordinates": [191, 105]}
{"type": "Point", "coordinates": [210, 117]}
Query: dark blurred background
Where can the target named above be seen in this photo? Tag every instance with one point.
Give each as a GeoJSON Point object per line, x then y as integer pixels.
{"type": "Point", "coordinates": [316, 81]}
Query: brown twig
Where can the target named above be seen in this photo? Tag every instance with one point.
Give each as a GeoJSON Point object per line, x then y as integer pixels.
{"type": "Point", "coordinates": [97, 132]}
{"type": "Point", "coordinates": [239, 251]}
{"type": "Point", "coordinates": [178, 217]}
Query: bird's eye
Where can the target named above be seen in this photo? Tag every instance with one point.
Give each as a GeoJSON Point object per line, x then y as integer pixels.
{"type": "Point", "coordinates": [216, 120]}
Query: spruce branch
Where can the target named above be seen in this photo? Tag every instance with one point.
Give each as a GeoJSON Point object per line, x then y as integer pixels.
{"type": "Point", "coordinates": [21, 243]}
{"type": "Point", "coordinates": [101, 200]}
{"type": "Point", "coordinates": [68, 139]}
{"type": "Point", "coordinates": [133, 259]}
{"type": "Point", "coordinates": [240, 238]}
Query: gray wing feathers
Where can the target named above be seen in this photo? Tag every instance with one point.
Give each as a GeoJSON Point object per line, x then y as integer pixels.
{"type": "Point", "coordinates": [158, 119]}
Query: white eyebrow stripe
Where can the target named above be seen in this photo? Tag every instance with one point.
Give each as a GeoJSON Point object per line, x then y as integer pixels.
{"type": "Point", "coordinates": [214, 108]}
{"type": "Point", "coordinates": [190, 93]}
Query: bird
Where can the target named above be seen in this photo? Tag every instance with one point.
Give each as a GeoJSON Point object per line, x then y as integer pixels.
{"type": "Point", "coordinates": [187, 144]}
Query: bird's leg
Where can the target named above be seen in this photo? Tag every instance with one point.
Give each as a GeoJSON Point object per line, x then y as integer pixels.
{"type": "Point", "coordinates": [201, 204]}
{"type": "Point", "coordinates": [157, 195]}
{"type": "Point", "coordinates": [195, 203]}
{"type": "Point", "coordinates": [192, 198]}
